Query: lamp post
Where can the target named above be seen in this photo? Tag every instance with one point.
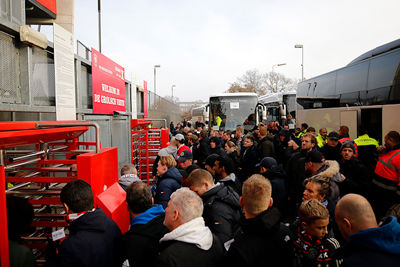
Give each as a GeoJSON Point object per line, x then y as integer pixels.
{"type": "Point", "coordinates": [302, 59]}
{"type": "Point", "coordinates": [99, 11]}
{"type": "Point", "coordinates": [277, 65]}
{"type": "Point", "coordinates": [155, 87]}
{"type": "Point", "coordinates": [172, 91]}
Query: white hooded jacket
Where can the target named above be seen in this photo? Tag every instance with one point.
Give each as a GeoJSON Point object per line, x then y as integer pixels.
{"type": "Point", "coordinates": [193, 232]}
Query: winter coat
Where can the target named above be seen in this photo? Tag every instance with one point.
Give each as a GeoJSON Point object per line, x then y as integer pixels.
{"type": "Point", "coordinates": [266, 147]}
{"type": "Point", "coordinates": [264, 242]}
{"type": "Point", "coordinates": [331, 153]}
{"type": "Point", "coordinates": [233, 182]}
{"type": "Point", "coordinates": [331, 170]}
{"type": "Point", "coordinates": [168, 183]}
{"type": "Point", "coordinates": [203, 151]}
{"type": "Point", "coordinates": [140, 244]}
{"type": "Point", "coordinates": [295, 170]}
{"type": "Point", "coordinates": [277, 177]}
{"type": "Point", "coordinates": [358, 178]}
{"type": "Point", "coordinates": [222, 211]}
{"type": "Point", "coordinates": [191, 244]}
{"type": "Point", "coordinates": [234, 156]}
{"type": "Point", "coordinates": [248, 162]}
{"type": "Point", "coordinates": [92, 242]}
{"type": "Point", "coordinates": [378, 246]}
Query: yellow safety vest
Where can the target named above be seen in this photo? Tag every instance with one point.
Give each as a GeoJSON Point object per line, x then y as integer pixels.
{"type": "Point", "coordinates": [365, 140]}
{"type": "Point", "coordinates": [321, 140]}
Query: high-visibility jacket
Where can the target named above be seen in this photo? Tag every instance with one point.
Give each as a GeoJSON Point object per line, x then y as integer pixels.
{"type": "Point", "coordinates": [365, 140]}
{"type": "Point", "coordinates": [300, 134]}
{"type": "Point", "coordinates": [349, 139]}
{"type": "Point", "coordinates": [388, 170]}
{"type": "Point", "coordinates": [321, 139]}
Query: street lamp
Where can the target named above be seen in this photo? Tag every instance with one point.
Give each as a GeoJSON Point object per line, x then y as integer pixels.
{"type": "Point", "coordinates": [172, 90]}
{"type": "Point", "coordinates": [277, 65]}
{"type": "Point", "coordinates": [302, 59]}
{"type": "Point", "coordinates": [155, 87]}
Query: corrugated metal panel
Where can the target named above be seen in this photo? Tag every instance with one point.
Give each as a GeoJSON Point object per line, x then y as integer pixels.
{"type": "Point", "coordinates": [105, 129]}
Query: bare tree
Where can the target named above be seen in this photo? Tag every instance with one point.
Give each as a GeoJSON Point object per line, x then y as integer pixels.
{"type": "Point", "coordinates": [251, 81]}
{"type": "Point", "coordinates": [254, 81]}
{"type": "Point", "coordinates": [277, 82]}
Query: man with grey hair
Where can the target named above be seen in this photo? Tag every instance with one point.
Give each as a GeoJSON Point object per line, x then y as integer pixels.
{"type": "Point", "coordinates": [190, 242]}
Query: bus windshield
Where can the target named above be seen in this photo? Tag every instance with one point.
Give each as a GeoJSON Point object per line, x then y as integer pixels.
{"type": "Point", "coordinates": [226, 112]}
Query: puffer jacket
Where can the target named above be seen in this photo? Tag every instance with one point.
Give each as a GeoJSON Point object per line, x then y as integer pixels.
{"type": "Point", "coordinates": [331, 170]}
{"type": "Point", "coordinates": [168, 183]}
{"type": "Point", "coordinates": [222, 211]}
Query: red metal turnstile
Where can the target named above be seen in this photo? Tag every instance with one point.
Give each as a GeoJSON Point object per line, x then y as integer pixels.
{"type": "Point", "coordinates": [37, 159]}
{"type": "Point", "coordinates": [146, 143]}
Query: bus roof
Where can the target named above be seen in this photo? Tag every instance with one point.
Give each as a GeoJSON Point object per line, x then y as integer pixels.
{"type": "Point", "coordinates": [235, 94]}
{"type": "Point", "coordinates": [274, 97]}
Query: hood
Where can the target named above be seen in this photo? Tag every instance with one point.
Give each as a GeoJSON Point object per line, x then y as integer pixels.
{"type": "Point", "coordinates": [230, 177]}
{"type": "Point", "coordinates": [193, 232]}
{"type": "Point", "coordinates": [129, 178]}
{"type": "Point", "coordinates": [168, 151]}
{"type": "Point", "coordinates": [385, 238]}
{"type": "Point", "coordinates": [268, 220]}
{"type": "Point", "coordinates": [94, 221]}
{"type": "Point", "coordinates": [148, 215]}
{"type": "Point", "coordinates": [172, 173]}
{"type": "Point", "coordinates": [330, 170]}
{"type": "Point", "coordinates": [222, 193]}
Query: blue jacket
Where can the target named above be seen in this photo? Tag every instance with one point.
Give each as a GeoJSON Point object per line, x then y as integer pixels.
{"type": "Point", "coordinates": [148, 215]}
{"type": "Point", "coordinates": [168, 183]}
{"type": "Point", "coordinates": [378, 246]}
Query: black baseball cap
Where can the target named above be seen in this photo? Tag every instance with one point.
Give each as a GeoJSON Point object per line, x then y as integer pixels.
{"type": "Point", "coordinates": [267, 163]}
{"type": "Point", "coordinates": [333, 135]}
{"type": "Point", "coordinates": [314, 156]}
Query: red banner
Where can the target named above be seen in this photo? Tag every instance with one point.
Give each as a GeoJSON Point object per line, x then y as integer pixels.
{"type": "Point", "coordinates": [108, 83]}
{"type": "Point", "coordinates": [145, 99]}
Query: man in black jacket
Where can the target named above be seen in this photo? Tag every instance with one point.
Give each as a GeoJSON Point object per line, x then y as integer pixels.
{"type": "Point", "coordinates": [93, 236]}
{"type": "Point", "coordinates": [224, 173]}
{"type": "Point", "coordinates": [190, 242]}
{"type": "Point", "coordinates": [222, 210]}
{"type": "Point", "coordinates": [264, 241]}
{"type": "Point", "coordinates": [139, 246]}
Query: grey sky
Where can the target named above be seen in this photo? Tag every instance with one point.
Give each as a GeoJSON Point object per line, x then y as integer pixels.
{"type": "Point", "coordinates": [203, 46]}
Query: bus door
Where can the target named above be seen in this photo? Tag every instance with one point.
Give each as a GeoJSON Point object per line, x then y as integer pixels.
{"type": "Point", "coordinates": [349, 119]}
{"type": "Point", "coordinates": [371, 119]}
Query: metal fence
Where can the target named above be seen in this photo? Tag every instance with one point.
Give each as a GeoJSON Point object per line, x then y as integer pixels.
{"type": "Point", "coordinates": [161, 108]}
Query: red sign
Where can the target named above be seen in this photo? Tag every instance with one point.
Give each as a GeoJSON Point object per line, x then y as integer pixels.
{"type": "Point", "coordinates": [108, 83]}
{"type": "Point", "coordinates": [49, 4]}
{"type": "Point", "coordinates": [145, 99]}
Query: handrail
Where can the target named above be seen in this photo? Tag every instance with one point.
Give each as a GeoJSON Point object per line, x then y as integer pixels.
{"type": "Point", "coordinates": [71, 124]}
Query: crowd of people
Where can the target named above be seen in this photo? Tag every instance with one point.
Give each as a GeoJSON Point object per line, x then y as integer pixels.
{"type": "Point", "coordinates": [267, 197]}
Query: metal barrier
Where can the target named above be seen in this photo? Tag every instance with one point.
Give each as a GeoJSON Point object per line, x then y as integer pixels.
{"type": "Point", "coordinates": [146, 143]}
{"type": "Point", "coordinates": [37, 159]}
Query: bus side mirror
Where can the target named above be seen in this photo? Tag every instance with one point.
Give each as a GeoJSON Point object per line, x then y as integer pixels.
{"type": "Point", "coordinates": [206, 115]}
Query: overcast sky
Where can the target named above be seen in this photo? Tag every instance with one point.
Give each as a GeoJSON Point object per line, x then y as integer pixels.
{"type": "Point", "coordinates": [203, 46]}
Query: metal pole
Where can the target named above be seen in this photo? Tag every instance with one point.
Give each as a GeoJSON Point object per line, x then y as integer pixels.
{"type": "Point", "coordinates": [99, 9]}
{"type": "Point", "coordinates": [302, 63]}
{"type": "Point", "coordinates": [155, 87]}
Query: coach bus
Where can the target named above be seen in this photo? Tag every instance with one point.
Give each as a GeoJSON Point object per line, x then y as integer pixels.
{"type": "Point", "coordinates": [228, 110]}
{"type": "Point", "coordinates": [365, 93]}
{"type": "Point", "coordinates": [279, 105]}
